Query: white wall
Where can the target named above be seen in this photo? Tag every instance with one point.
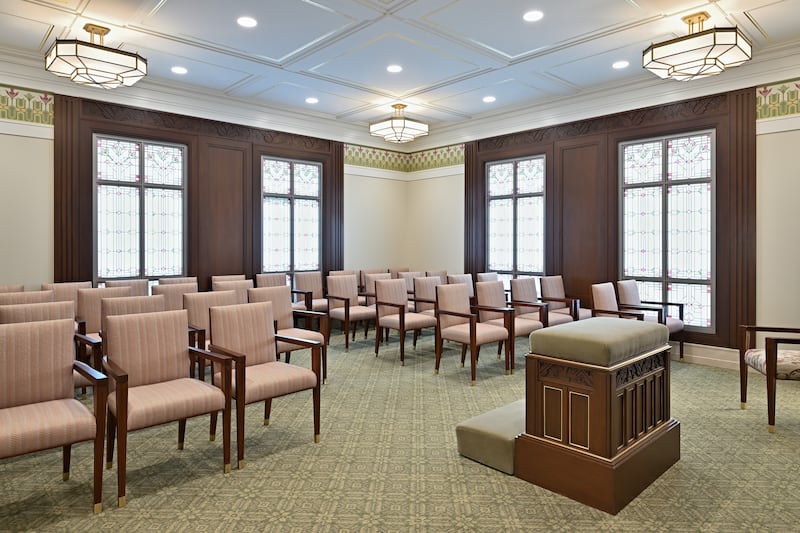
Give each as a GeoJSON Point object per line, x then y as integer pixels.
{"type": "Point", "coordinates": [26, 209]}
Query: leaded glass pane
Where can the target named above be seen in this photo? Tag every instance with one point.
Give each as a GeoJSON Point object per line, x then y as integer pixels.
{"type": "Point", "coordinates": [163, 232]}
{"type": "Point", "coordinates": [306, 235]}
{"type": "Point", "coordinates": [697, 300]}
{"type": "Point", "coordinates": [506, 279]}
{"type": "Point", "coordinates": [501, 179]}
{"type": "Point", "coordinates": [642, 232]}
{"type": "Point", "coordinates": [689, 235]}
{"type": "Point", "coordinates": [117, 231]}
{"type": "Point", "coordinates": [501, 236]}
{"type": "Point", "coordinates": [689, 157]}
{"type": "Point", "coordinates": [276, 176]}
{"type": "Point", "coordinates": [530, 176]}
{"type": "Point", "coordinates": [306, 179]}
{"type": "Point", "coordinates": [650, 291]}
{"type": "Point", "coordinates": [163, 165]}
{"type": "Point", "coordinates": [276, 225]}
{"type": "Point", "coordinates": [530, 234]}
{"type": "Point", "coordinates": [642, 163]}
{"type": "Point", "coordinates": [117, 160]}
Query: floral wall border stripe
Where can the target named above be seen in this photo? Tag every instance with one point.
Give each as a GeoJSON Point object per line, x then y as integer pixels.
{"type": "Point", "coordinates": [26, 105]}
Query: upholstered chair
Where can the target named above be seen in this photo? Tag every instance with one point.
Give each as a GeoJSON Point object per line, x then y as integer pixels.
{"type": "Point", "coordinates": [240, 286]}
{"type": "Point", "coordinates": [29, 297]}
{"type": "Point", "coordinates": [394, 272]}
{"type": "Point", "coordinates": [391, 309]}
{"type": "Point", "coordinates": [139, 287]}
{"type": "Point", "coordinates": [629, 300]}
{"type": "Point", "coordinates": [369, 285]}
{"type": "Point", "coordinates": [408, 277]}
{"type": "Point", "coordinates": [228, 277]}
{"type": "Point", "coordinates": [310, 282]}
{"type": "Point", "coordinates": [487, 276]}
{"type": "Point", "coordinates": [342, 273]}
{"type": "Point", "coordinates": [284, 315]}
{"type": "Point", "coordinates": [149, 362]}
{"type": "Point", "coordinates": [442, 274]}
{"type": "Point", "coordinates": [604, 303]}
{"type": "Point", "coordinates": [130, 305]}
{"type": "Point", "coordinates": [272, 279]}
{"type": "Point", "coordinates": [246, 334]}
{"type": "Point", "coordinates": [523, 290]}
{"type": "Point", "coordinates": [173, 294]}
{"type": "Point", "coordinates": [773, 362]}
{"type": "Point", "coordinates": [362, 279]}
{"type": "Point", "coordinates": [12, 288]}
{"type": "Point", "coordinates": [181, 280]}
{"type": "Point", "coordinates": [425, 294]}
{"type": "Point", "coordinates": [553, 293]}
{"type": "Point", "coordinates": [455, 322]}
{"type": "Point", "coordinates": [343, 306]}
{"type": "Point", "coordinates": [37, 408]}
{"type": "Point", "coordinates": [89, 307]}
{"type": "Point", "coordinates": [67, 291]}
{"type": "Point", "coordinates": [197, 305]}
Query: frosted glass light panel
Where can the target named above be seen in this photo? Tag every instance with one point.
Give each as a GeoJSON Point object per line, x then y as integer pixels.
{"type": "Point", "coordinates": [696, 300]}
{"type": "Point", "coordinates": [163, 165]}
{"type": "Point", "coordinates": [530, 234]}
{"type": "Point", "coordinates": [117, 219]}
{"type": "Point", "coordinates": [163, 229]}
{"type": "Point", "coordinates": [501, 179]}
{"type": "Point", "coordinates": [530, 176]}
{"type": "Point", "coordinates": [642, 232]}
{"type": "Point", "coordinates": [277, 220]}
{"type": "Point", "coordinates": [306, 180]}
{"type": "Point", "coordinates": [642, 162]}
{"type": "Point", "coordinates": [689, 235]}
{"type": "Point", "coordinates": [689, 158]}
{"type": "Point", "coordinates": [501, 234]}
{"type": "Point", "coordinates": [306, 234]}
{"type": "Point", "coordinates": [276, 176]}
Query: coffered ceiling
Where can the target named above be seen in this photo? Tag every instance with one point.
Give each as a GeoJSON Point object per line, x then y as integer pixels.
{"type": "Point", "coordinates": [453, 54]}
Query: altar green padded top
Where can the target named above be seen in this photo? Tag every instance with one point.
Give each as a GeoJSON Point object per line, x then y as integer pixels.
{"type": "Point", "coordinates": [599, 341]}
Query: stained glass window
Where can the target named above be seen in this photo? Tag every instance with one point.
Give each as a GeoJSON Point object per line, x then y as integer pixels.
{"type": "Point", "coordinates": [139, 208]}
{"type": "Point", "coordinates": [667, 223]}
{"type": "Point", "coordinates": [291, 215]}
{"type": "Point", "coordinates": [515, 217]}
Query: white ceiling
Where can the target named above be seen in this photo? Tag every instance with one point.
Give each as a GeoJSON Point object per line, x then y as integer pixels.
{"type": "Point", "coordinates": [453, 53]}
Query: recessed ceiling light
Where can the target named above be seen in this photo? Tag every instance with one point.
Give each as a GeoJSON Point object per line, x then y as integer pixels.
{"type": "Point", "coordinates": [179, 70]}
{"type": "Point", "coordinates": [489, 99]}
{"type": "Point", "coordinates": [312, 100]}
{"type": "Point", "coordinates": [394, 68]}
{"type": "Point", "coordinates": [620, 64]}
{"type": "Point", "coordinates": [532, 16]}
{"type": "Point", "coordinates": [247, 22]}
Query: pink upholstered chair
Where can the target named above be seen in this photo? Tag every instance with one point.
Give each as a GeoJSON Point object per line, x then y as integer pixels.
{"type": "Point", "coordinates": [67, 291]}
{"type": "Point", "coordinates": [604, 303]}
{"type": "Point", "coordinates": [149, 361]}
{"type": "Point", "coordinates": [272, 279]}
{"type": "Point", "coordinates": [197, 305]}
{"type": "Point", "coordinates": [441, 274]}
{"type": "Point", "coordinates": [362, 279]}
{"type": "Point", "coordinates": [524, 290]}
{"type": "Point", "coordinates": [173, 281]}
{"type": "Point", "coordinates": [392, 312]}
{"type": "Point", "coordinates": [408, 277]}
{"type": "Point", "coordinates": [12, 288]}
{"type": "Point", "coordinates": [139, 287]}
{"type": "Point", "coordinates": [369, 285]}
{"type": "Point", "coordinates": [311, 282]}
{"type": "Point", "coordinates": [228, 277]}
{"type": "Point", "coordinates": [89, 307]}
{"type": "Point", "coordinates": [487, 276]}
{"type": "Point", "coordinates": [553, 293]}
{"type": "Point", "coordinates": [466, 279]}
{"type": "Point", "coordinates": [37, 408]}
{"type": "Point", "coordinates": [629, 300]}
{"type": "Point", "coordinates": [425, 294]}
{"type": "Point", "coordinates": [394, 272]}
{"type": "Point", "coordinates": [284, 315]}
{"type": "Point", "coordinates": [30, 297]}
{"type": "Point", "coordinates": [456, 323]}
{"type": "Point", "coordinates": [773, 362]}
{"type": "Point", "coordinates": [240, 286]}
{"type": "Point", "coordinates": [342, 273]}
{"type": "Point", "coordinates": [245, 333]}
{"type": "Point", "coordinates": [343, 306]}
{"type": "Point", "coordinates": [173, 294]}
{"type": "Point", "coordinates": [130, 305]}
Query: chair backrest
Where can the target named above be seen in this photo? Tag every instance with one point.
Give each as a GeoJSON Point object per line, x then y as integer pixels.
{"type": "Point", "coordinates": [452, 298]}
{"type": "Point", "coordinates": [524, 289]}
{"type": "Point", "coordinates": [309, 281]}
{"type": "Point", "coordinates": [89, 304]}
{"type": "Point", "coordinates": [493, 294]}
{"type": "Point", "coordinates": [175, 281]}
{"type": "Point", "coordinates": [487, 276]}
{"type": "Point", "coordinates": [67, 291]}
{"type": "Point", "coordinates": [370, 279]}
{"type": "Point", "coordinates": [12, 288]}
{"type": "Point", "coordinates": [36, 362]}
{"type": "Point", "coordinates": [247, 329]}
{"type": "Point", "coordinates": [628, 292]}
{"type": "Point", "coordinates": [466, 279]}
{"type": "Point", "coordinates": [10, 314]}
{"type": "Point", "coordinates": [198, 303]}
{"type": "Point", "coordinates": [342, 287]}
{"type": "Point", "coordinates": [130, 305]}
{"type": "Point", "coordinates": [272, 279]}
{"type": "Point", "coordinates": [150, 347]}
{"type": "Point", "coordinates": [553, 287]}
{"type": "Point", "coordinates": [392, 291]}
{"type": "Point", "coordinates": [139, 287]}
{"type": "Point", "coordinates": [604, 297]}
{"type": "Point", "coordinates": [173, 294]}
{"type": "Point", "coordinates": [240, 286]}
{"type": "Point", "coordinates": [362, 280]}
{"type": "Point", "coordinates": [228, 277]}
{"type": "Point", "coordinates": [393, 272]}
{"type": "Point", "coordinates": [425, 288]}
{"type": "Point", "coordinates": [281, 299]}
{"type": "Point", "coordinates": [30, 297]}
{"type": "Point", "coordinates": [342, 273]}
{"type": "Point", "coordinates": [441, 273]}
{"type": "Point", "coordinates": [408, 277]}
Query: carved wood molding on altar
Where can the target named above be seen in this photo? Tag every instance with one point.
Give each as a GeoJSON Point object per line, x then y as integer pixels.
{"type": "Point", "coordinates": [640, 369]}
{"type": "Point", "coordinates": [568, 374]}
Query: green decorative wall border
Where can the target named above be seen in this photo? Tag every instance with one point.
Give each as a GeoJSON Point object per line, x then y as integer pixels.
{"type": "Point", "coordinates": [778, 99]}
{"type": "Point", "coordinates": [364, 156]}
{"type": "Point", "coordinates": [26, 105]}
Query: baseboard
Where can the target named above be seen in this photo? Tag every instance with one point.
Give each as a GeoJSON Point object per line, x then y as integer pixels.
{"type": "Point", "coordinates": [701, 354]}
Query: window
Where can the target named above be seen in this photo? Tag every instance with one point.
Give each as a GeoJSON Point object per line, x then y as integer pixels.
{"type": "Point", "coordinates": [667, 222]}
{"type": "Point", "coordinates": [291, 215]}
{"type": "Point", "coordinates": [515, 226]}
{"type": "Point", "coordinates": [140, 202]}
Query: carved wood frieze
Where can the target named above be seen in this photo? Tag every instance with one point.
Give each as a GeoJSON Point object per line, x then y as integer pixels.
{"type": "Point", "coordinates": [639, 369]}
{"type": "Point", "coordinates": [567, 374]}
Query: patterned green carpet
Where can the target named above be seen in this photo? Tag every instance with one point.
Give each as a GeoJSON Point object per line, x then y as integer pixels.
{"type": "Point", "coordinates": [388, 462]}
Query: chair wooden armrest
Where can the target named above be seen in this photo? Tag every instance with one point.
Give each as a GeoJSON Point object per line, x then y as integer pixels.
{"type": "Point", "coordinates": [747, 339]}
{"type": "Point", "coordinates": [573, 303]}
{"type": "Point", "coordinates": [401, 307]}
{"type": "Point", "coordinates": [116, 373]}
{"type": "Point", "coordinates": [680, 307]}
{"type": "Point", "coordinates": [96, 347]}
{"type": "Point", "coordinates": [308, 297]}
{"type": "Point", "coordinates": [93, 375]}
{"type": "Point", "coordinates": [455, 313]}
{"type": "Point", "coordinates": [543, 308]}
{"type": "Point", "coordinates": [316, 351]}
{"type": "Point", "coordinates": [232, 354]}
{"type": "Point", "coordinates": [81, 325]}
{"type": "Point", "coordinates": [620, 314]}
{"type": "Point", "coordinates": [197, 337]}
{"type": "Point", "coordinates": [660, 309]}
{"type": "Point", "coordinates": [492, 308]}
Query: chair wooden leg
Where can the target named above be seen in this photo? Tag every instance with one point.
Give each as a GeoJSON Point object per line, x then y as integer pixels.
{"type": "Point", "coordinates": [226, 438]}
{"type": "Point", "coordinates": [366, 329]}
{"type": "Point", "coordinates": [414, 341]}
{"type": "Point", "coordinates": [499, 349]}
{"type": "Point", "coordinates": [99, 437]}
{"type": "Point", "coordinates": [437, 346]}
{"type": "Point", "coordinates": [239, 425]}
{"type": "Point", "coordinates": [111, 433]}
{"type": "Point", "coordinates": [402, 347]}
{"type": "Point", "coordinates": [346, 326]}
{"type": "Point", "coordinates": [66, 455]}
{"type": "Point", "coordinates": [316, 401]}
{"type": "Point", "coordinates": [324, 363]}
{"type": "Point", "coordinates": [463, 354]}
{"type": "Point", "coordinates": [743, 379]}
{"type": "Point", "coordinates": [267, 410]}
{"type": "Point", "coordinates": [378, 338]}
{"type": "Point", "coordinates": [122, 456]}
{"type": "Point", "coordinates": [288, 357]}
{"type": "Point", "coordinates": [473, 360]}
{"type": "Point", "coordinates": [772, 373]}
{"type": "Point", "coordinates": [212, 431]}
{"type": "Point", "coordinates": [181, 432]}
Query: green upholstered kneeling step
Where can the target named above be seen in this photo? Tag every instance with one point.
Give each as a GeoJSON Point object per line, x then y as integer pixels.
{"type": "Point", "coordinates": [489, 437]}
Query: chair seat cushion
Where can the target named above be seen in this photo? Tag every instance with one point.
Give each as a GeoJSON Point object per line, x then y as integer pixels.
{"type": "Point", "coordinates": [555, 318]}
{"type": "Point", "coordinates": [522, 325]}
{"type": "Point", "coordinates": [484, 333]}
{"type": "Point", "coordinates": [319, 304]}
{"type": "Point", "coordinates": [673, 324]}
{"type": "Point", "coordinates": [300, 333]}
{"type": "Point", "coordinates": [41, 426]}
{"type": "Point", "coordinates": [157, 403]}
{"type": "Point", "coordinates": [270, 380]}
{"type": "Point", "coordinates": [357, 312]}
{"type": "Point", "coordinates": [788, 362]}
{"type": "Point", "coordinates": [582, 313]}
{"type": "Point", "coordinates": [412, 321]}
